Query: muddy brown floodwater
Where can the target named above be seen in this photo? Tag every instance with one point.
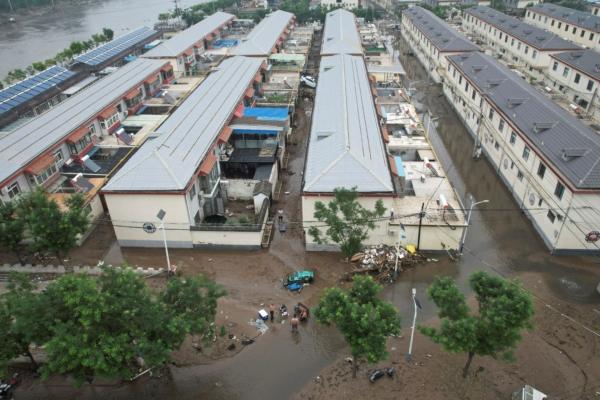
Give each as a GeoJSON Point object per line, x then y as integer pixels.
{"type": "Point", "coordinates": [280, 365]}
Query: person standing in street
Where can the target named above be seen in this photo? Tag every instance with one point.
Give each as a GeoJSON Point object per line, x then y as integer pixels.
{"type": "Point", "coordinates": [272, 311]}
{"type": "Point", "coordinates": [294, 322]}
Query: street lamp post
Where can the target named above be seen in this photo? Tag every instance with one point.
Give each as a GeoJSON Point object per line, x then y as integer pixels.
{"type": "Point", "coordinates": [161, 215]}
{"type": "Point", "coordinates": [414, 323]}
{"type": "Point", "coordinates": [464, 235]}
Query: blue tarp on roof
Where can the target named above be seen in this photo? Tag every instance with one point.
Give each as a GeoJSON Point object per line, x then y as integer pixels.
{"type": "Point", "coordinates": [254, 132]}
{"type": "Point", "coordinates": [267, 113]}
{"type": "Point", "coordinates": [399, 165]}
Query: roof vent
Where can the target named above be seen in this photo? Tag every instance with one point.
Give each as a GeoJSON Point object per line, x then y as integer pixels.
{"type": "Point", "coordinates": [477, 68]}
{"type": "Point", "coordinates": [512, 103]}
{"type": "Point", "coordinates": [327, 69]}
{"type": "Point", "coordinates": [543, 126]}
{"type": "Point", "coordinates": [527, 32]}
{"type": "Point", "coordinates": [445, 40]}
{"type": "Point", "coordinates": [597, 67]}
{"type": "Point", "coordinates": [514, 26]}
{"type": "Point", "coordinates": [323, 135]}
{"type": "Point", "coordinates": [494, 82]}
{"type": "Point", "coordinates": [463, 56]}
{"type": "Point", "coordinates": [566, 14]}
{"type": "Point", "coordinates": [502, 20]}
{"type": "Point", "coordinates": [572, 152]}
{"type": "Point", "coordinates": [575, 56]}
{"type": "Point", "coordinates": [540, 38]}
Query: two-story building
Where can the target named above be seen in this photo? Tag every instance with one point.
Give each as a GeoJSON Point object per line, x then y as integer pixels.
{"type": "Point", "coordinates": [577, 26]}
{"type": "Point", "coordinates": [347, 4]}
{"type": "Point", "coordinates": [432, 40]}
{"type": "Point", "coordinates": [546, 157]}
{"type": "Point", "coordinates": [267, 37]}
{"type": "Point", "coordinates": [178, 170]}
{"type": "Point", "coordinates": [577, 75]}
{"type": "Point", "coordinates": [184, 49]}
{"type": "Point", "coordinates": [340, 34]}
{"type": "Point", "coordinates": [518, 44]}
{"type": "Point", "coordinates": [35, 153]}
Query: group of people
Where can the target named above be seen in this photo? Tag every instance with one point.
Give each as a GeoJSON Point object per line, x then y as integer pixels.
{"type": "Point", "coordinates": [294, 321]}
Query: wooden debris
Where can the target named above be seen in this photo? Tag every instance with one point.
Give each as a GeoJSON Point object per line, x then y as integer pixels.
{"type": "Point", "coordinates": [380, 261]}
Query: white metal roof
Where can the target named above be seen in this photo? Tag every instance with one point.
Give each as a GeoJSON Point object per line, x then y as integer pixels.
{"type": "Point", "coordinates": [169, 161]}
{"type": "Point", "coordinates": [346, 148]}
{"type": "Point", "coordinates": [264, 36]}
{"type": "Point", "coordinates": [186, 39]}
{"type": "Point", "coordinates": [21, 146]}
{"type": "Point", "coordinates": [341, 34]}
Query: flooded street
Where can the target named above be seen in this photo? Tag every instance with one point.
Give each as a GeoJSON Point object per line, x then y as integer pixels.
{"type": "Point", "coordinates": [278, 365]}
{"type": "Point", "coordinates": [43, 33]}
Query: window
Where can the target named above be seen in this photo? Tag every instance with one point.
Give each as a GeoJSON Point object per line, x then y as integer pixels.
{"type": "Point", "coordinates": [491, 114]}
{"type": "Point", "coordinates": [460, 80]}
{"type": "Point", "coordinates": [577, 78]}
{"type": "Point", "coordinates": [534, 54]}
{"type": "Point", "coordinates": [552, 23]}
{"type": "Point", "coordinates": [512, 42]}
{"type": "Point", "coordinates": [582, 33]}
{"type": "Point", "coordinates": [58, 158]}
{"type": "Point", "coordinates": [541, 170]}
{"type": "Point", "coordinates": [13, 190]}
{"type": "Point", "coordinates": [526, 49]}
{"type": "Point", "coordinates": [541, 202]}
{"type": "Point", "coordinates": [519, 175]}
{"type": "Point", "coordinates": [591, 36]}
{"type": "Point", "coordinates": [574, 30]}
{"type": "Point", "coordinates": [44, 176]}
{"type": "Point", "coordinates": [500, 37]}
{"type": "Point", "coordinates": [551, 216]}
{"type": "Point", "coordinates": [80, 145]}
{"type": "Point", "coordinates": [559, 190]}
{"type": "Point", "coordinates": [467, 87]}
{"type": "Point", "coordinates": [208, 182]}
{"type": "Point", "coordinates": [559, 24]}
{"type": "Point", "coordinates": [107, 123]}
{"type": "Point", "coordinates": [555, 66]}
{"type": "Point", "coordinates": [566, 27]}
{"type": "Point", "coordinates": [566, 72]}
{"type": "Point", "coordinates": [497, 145]}
{"type": "Point", "coordinates": [473, 95]}
{"type": "Point", "coordinates": [526, 153]}
{"type": "Point", "coordinates": [590, 85]}
{"type": "Point", "coordinates": [513, 138]}
{"type": "Point", "coordinates": [192, 192]}
{"type": "Point", "coordinates": [92, 128]}
{"type": "Point", "coordinates": [518, 45]}
{"type": "Point", "coordinates": [501, 125]}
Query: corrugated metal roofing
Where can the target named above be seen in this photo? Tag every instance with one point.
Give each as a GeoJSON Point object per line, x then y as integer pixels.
{"type": "Point", "coordinates": [526, 33]}
{"type": "Point", "coordinates": [169, 161]}
{"type": "Point", "coordinates": [264, 36]}
{"type": "Point", "coordinates": [119, 45]}
{"type": "Point", "coordinates": [24, 144]}
{"type": "Point", "coordinates": [33, 86]}
{"type": "Point", "coordinates": [587, 61]}
{"type": "Point", "coordinates": [552, 131]}
{"type": "Point", "coordinates": [444, 38]}
{"type": "Point", "coordinates": [341, 34]}
{"type": "Point", "coordinates": [186, 39]}
{"type": "Point", "coordinates": [574, 17]}
{"type": "Point", "coordinates": [346, 147]}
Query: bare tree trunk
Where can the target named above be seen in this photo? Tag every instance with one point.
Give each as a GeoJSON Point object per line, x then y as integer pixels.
{"type": "Point", "coordinates": [354, 368]}
{"type": "Point", "coordinates": [468, 364]}
{"type": "Point", "coordinates": [33, 362]}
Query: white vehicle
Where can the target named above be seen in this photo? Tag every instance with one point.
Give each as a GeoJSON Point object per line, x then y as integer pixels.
{"type": "Point", "coordinates": [309, 81]}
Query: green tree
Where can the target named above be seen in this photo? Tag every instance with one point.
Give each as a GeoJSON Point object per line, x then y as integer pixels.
{"type": "Point", "coordinates": [164, 16]}
{"type": "Point", "coordinates": [362, 317]}
{"type": "Point", "coordinates": [494, 329]}
{"type": "Point", "coordinates": [50, 62]}
{"type": "Point", "coordinates": [39, 66]}
{"type": "Point", "coordinates": [348, 222]}
{"type": "Point", "coordinates": [194, 302]}
{"type": "Point", "coordinates": [98, 38]}
{"type": "Point", "coordinates": [29, 319]}
{"type": "Point", "coordinates": [108, 33]}
{"type": "Point", "coordinates": [12, 229]}
{"type": "Point", "coordinates": [52, 229]}
{"type": "Point", "coordinates": [76, 47]}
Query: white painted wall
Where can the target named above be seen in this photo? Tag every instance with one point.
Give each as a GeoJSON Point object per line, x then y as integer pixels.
{"type": "Point", "coordinates": [566, 30]}
{"type": "Point", "coordinates": [520, 174]}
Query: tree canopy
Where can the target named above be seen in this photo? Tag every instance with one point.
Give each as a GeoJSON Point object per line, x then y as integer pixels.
{"type": "Point", "coordinates": [108, 326]}
{"type": "Point", "coordinates": [12, 229]}
{"type": "Point", "coordinates": [348, 223]}
{"type": "Point", "coordinates": [362, 318]}
{"type": "Point", "coordinates": [494, 329]}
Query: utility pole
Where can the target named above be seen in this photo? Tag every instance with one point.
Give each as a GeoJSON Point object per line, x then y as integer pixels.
{"type": "Point", "coordinates": [464, 235]}
{"type": "Point", "coordinates": [417, 305]}
{"type": "Point", "coordinates": [10, 5]}
{"type": "Point", "coordinates": [421, 215]}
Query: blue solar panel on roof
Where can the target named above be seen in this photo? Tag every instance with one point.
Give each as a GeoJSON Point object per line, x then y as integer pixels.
{"type": "Point", "coordinates": [32, 86]}
{"type": "Point", "coordinates": [114, 47]}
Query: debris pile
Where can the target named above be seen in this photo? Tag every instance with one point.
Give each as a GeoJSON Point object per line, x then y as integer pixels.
{"type": "Point", "coordinates": [380, 261]}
